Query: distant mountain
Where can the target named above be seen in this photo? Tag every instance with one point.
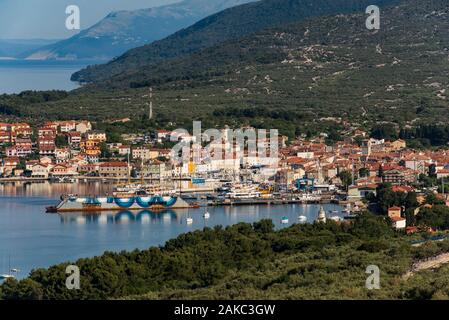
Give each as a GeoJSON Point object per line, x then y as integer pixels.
{"type": "Point", "coordinates": [123, 30]}
{"type": "Point", "coordinates": [15, 48]}
{"type": "Point", "coordinates": [229, 24]}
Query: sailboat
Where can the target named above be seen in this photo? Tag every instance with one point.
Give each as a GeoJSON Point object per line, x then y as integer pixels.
{"type": "Point", "coordinates": [189, 220]}
{"type": "Point", "coordinates": [206, 215]}
{"type": "Point", "coordinates": [9, 275]}
{"type": "Point", "coordinates": [302, 218]}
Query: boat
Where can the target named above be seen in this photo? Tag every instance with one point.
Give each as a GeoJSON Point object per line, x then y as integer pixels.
{"type": "Point", "coordinates": [336, 218]}
{"type": "Point", "coordinates": [189, 220]}
{"type": "Point", "coordinates": [206, 215]}
{"type": "Point", "coordinates": [284, 220]}
{"type": "Point", "coordinates": [6, 276]}
{"type": "Point", "coordinates": [309, 197]}
{"type": "Point", "coordinates": [198, 180]}
{"type": "Point", "coordinates": [302, 218]}
{"type": "Point", "coordinates": [119, 201]}
{"type": "Point", "coordinates": [240, 191]}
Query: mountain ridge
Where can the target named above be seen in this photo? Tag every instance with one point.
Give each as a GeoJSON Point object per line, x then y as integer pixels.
{"type": "Point", "coordinates": [232, 23]}
{"type": "Point", "coordinates": [122, 30]}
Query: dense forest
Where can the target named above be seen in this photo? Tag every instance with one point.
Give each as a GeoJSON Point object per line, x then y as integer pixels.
{"type": "Point", "coordinates": [244, 261]}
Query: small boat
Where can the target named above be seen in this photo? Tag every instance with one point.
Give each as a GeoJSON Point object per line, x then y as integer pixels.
{"type": "Point", "coordinates": [198, 180]}
{"type": "Point", "coordinates": [189, 220]}
{"type": "Point", "coordinates": [347, 209]}
{"type": "Point", "coordinates": [194, 205]}
{"type": "Point", "coordinates": [206, 215]}
{"type": "Point", "coordinates": [6, 276]}
{"type": "Point", "coordinates": [302, 218]}
{"type": "Point", "coordinates": [284, 220]}
{"type": "Point", "coordinates": [336, 218]}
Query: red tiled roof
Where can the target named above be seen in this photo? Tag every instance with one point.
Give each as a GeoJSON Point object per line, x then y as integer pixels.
{"type": "Point", "coordinates": [114, 164]}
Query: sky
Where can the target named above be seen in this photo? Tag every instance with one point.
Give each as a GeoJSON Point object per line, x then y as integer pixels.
{"type": "Point", "coordinates": [45, 19]}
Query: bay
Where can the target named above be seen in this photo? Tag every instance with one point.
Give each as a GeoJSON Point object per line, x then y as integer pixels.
{"type": "Point", "coordinates": [31, 238]}
{"type": "Point", "coordinates": [20, 75]}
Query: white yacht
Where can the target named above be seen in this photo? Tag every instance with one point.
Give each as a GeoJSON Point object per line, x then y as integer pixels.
{"type": "Point", "coordinates": [302, 218]}
{"type": "Point", "coordinates": [206, 215]}
{"type": "Point", "coordinates": [309, 197]}
{"type": "Point", "coordinates": [243, 192]}
{"type": "Point", "coordinates": [6, 276]}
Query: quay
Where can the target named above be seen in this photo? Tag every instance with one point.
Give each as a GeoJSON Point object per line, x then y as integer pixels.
{"type": "Point", "coordinates": [271, 201]}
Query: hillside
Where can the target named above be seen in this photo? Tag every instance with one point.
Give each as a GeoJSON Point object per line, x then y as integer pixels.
{"type": "Point", "coordinates": [123, 30]}
{"type": "Point", "coordinates": [322, 75]}
{"type": "Point", "coordinates": [233, 23]}
{"type": "Point", "coordinates": [15, 48]}
{"type": "Point", "coordinates": [311, 261]}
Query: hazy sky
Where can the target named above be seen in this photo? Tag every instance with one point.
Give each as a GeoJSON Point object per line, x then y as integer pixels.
{"type": "Point", "coordinates": [45, 19]}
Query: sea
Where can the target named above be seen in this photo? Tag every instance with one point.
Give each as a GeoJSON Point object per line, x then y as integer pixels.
{"type": "Point", "coordinates": [30, 238]}
{"type": "Point", "coordinates": [21, 75]}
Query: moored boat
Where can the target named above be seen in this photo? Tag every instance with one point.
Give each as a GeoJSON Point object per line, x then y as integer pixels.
{"type": "Point", "coordinates": [284, 220]}
{"type": "Point", "coordinates": [155, 202]}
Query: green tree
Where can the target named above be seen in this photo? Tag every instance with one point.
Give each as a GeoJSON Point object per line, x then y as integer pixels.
{"type": "Point", "coordinates": [345, 177]}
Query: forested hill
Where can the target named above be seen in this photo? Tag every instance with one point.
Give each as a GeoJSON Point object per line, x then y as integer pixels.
{"type": "Point", "coordinates": [232, 23]}
{"type": "Point", "coordinates": [243, 261]}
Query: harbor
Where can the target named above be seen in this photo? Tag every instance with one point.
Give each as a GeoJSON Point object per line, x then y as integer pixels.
{"type": "Point", "coordinates": [36, 239]}
{"type": "Point", "coordinates": [163, 195]}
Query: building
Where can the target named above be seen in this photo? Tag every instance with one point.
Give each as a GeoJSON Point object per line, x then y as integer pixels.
{"type": "Point", "coordinates": [74, 139]}
{"type": "Point", "coordinates": [67, 126]}
{"type": "Point", "coordinates": [162, 135]}
{"type": "Point", "coordinates": [22, 130]}
{"type": "Point", "coordinates": [46, 132]}
{"type": "Point", "coordinates": [96, 136]}
{"type": "Point", "coordinates": [40, 170]}
{"type": "Point", "coordinates": [114, 169]}
{"type": "Point", "coordinates": [83, 127]}
{"type": "Point", "coordinates": [123, 150]}
{"type": "Point", "coordinates": [62, 170]}
{"type": "Point", "coordinates": [62, 154]}
{"type": "Point", "coordinates": [394, 212]}
{"type": "Point", "coordinates": [156, 170]}
{"type": "Point", "coordinates": [399, 223]}
{"type": "Point", "coordinates": [46, 146]}
{"type": "Point", "coordinates": [141, 153]}
{"type": "Point", "coordinates": [16, 151]}
{"type": "Point", "coordinates": [396, 176]}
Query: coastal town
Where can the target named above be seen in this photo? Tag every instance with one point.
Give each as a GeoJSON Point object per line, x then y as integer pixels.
{"type": "Point", "coordinates": [347, 171]}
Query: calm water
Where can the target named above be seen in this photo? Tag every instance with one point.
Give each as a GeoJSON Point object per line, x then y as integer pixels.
{"type": "Point", "coordinates": [33, 238]}
{"type": "Point", "coordinates": [19, 75]}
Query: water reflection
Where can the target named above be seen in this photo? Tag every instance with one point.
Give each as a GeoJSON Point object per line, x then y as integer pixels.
{"type": "Point", "coordinates": [123, 217]}
{"type": "Point", "coordinates": [36, 239]}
